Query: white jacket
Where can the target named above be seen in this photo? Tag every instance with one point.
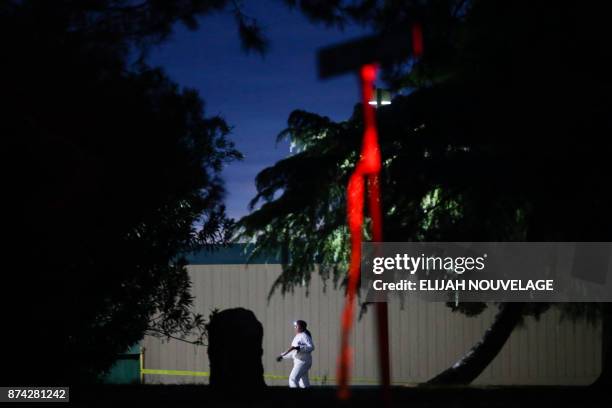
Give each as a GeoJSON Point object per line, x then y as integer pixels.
{"type": "Point", "coordinates": [304, 342]}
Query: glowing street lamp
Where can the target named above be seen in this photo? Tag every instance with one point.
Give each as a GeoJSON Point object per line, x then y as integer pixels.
{"type": "Point", "coordinates": [380, 98]}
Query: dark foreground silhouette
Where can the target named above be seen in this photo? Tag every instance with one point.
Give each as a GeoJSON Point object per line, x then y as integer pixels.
{"type": "Point", "coordinates": [235, 348]}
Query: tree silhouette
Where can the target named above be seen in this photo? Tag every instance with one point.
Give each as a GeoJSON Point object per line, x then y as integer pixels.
{"type": "Point", "coordinates": [113, 176]}
{"type": "Point", "coordinates": [500, 138]}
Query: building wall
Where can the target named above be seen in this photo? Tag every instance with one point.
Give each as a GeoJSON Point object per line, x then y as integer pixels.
{"type": "Point", "coordinates": [425, 337]}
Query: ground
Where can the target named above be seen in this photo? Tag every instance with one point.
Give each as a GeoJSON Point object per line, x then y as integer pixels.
{"type": "Point", "coordinates": [319, 397]}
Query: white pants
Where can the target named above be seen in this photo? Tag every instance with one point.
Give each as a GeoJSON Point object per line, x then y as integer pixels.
{"type": "Point", "coordinates": [299, 374]}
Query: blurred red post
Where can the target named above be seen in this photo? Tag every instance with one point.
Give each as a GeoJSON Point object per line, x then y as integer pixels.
{"type": "Point", "coordinates": [364, 53]}
{"type": "Point", "coordinates": [368, 167]}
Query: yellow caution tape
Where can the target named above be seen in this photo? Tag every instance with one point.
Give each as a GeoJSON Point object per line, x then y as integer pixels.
{"type": "Point", "coordinates": [150, 371]}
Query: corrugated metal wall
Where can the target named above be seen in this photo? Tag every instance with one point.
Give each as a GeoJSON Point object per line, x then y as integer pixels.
{"type": "Point", "coordinates": [426, 337]}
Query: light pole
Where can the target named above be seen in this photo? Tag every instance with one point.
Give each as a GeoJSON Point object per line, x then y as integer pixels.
{"type": "Point", "coordinates": [380, 98]}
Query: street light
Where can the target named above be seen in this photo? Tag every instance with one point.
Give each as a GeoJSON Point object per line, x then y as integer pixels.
{"type": "Point", "coordinates": [380, 98]}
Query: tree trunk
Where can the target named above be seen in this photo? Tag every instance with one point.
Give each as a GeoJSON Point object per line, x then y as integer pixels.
{"type": "Point", "coordinates": [483, 352]}
{"type": "Point", "coordinates": [605, 377]}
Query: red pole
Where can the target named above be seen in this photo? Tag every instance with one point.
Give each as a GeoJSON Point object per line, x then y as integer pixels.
{"type": "Point", "coordinates": [382, 314]}
{"type": "Point", "coordinates": [368, 166]}
{"type": "Point", "coordinates": [355, 191]}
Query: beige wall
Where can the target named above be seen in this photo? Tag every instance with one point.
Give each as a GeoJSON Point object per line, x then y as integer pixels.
{"type": "Point", "coordinates": [425, 337]}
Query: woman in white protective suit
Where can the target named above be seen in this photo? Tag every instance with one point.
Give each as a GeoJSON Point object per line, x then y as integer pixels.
{"type": "Point", "coordinates": [301, 348]}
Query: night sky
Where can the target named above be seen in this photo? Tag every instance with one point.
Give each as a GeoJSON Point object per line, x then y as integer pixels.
{"type": "Point", "coordinates": [256, 94]}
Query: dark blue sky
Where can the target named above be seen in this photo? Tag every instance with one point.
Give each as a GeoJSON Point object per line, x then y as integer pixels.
{"type": "Point", "coordinates": [256, 94]}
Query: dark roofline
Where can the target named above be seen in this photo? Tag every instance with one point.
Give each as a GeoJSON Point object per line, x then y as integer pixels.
{"type": "Point", "coordinates": [228, 255]}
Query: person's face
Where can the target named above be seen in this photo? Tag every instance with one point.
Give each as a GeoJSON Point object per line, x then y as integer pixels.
{"type": "Point", "coordinates": [298, 328]}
